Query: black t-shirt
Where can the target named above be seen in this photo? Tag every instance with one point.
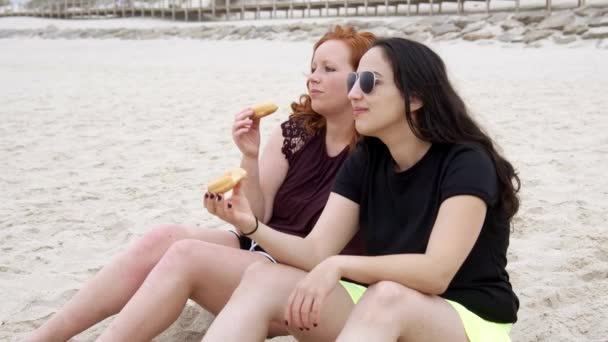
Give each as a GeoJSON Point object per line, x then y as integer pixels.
{"type": "Point", "coordinates": [398, 211]}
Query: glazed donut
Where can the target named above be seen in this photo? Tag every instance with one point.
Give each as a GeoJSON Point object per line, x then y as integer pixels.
{"type": "Point", "coordinates": [263, 109]}
{"type": "Point", "coordinates": [228, 181]}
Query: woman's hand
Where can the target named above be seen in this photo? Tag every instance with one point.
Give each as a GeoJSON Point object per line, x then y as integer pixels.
{"type": "Point", "coordinates": [306, 301]}
{"type": "Point", "coordinates": [246, 133]}
{"type": "Point", "coordinates": [234, 210]}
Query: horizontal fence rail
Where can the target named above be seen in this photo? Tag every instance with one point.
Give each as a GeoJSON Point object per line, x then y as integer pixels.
{"type": "Point", "coordinates": [200, 10]}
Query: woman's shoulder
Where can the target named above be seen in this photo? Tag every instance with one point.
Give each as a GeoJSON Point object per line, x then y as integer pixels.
{"type": "Point", "coordinates": [467, 151]}
{"type": "Point", "coordinates": [295, 136]}
{"type": "Point", "coordinates": [469, 161]}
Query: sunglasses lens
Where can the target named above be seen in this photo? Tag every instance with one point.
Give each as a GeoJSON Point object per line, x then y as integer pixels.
{"type": "Point", "coordinates": [350, 81]}
{"type": "Point", "coordinates": [366, 81]}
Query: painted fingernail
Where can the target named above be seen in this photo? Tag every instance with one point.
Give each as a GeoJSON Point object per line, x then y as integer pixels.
{"type": "Point", "coordinates": [211, 196]}
{"type": "Point", "coordinates": [286, 323]}
{"type": "Point", "coordinates": [314, 325]}
{"type": "Point", "coordinates": [219, 198]}
{"type": "Point", "coordinates": [301, 329]}
{"type": "Point", "coordinates": [206, 195]}
{"type": "Point", "coordinates": [230, 207]}
{"type": "Point", "coordinates": [307, 329]}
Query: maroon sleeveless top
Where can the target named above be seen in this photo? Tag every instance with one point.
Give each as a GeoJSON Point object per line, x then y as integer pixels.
{"type": "Point", "coordinates": [305, 190]}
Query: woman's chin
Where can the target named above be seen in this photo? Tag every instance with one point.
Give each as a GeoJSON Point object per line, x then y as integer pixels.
{"type": "Point", "coordinates": [362, 128]}
{"type": "Point", "coordinates": [318, 107]}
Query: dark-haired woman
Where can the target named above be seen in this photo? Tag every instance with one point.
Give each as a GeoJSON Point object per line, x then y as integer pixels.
{"type": "Point", "coordinates": [433, 199]}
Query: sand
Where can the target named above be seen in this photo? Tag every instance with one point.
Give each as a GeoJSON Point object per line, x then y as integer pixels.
{"type": "Point", "coordinates": [102, 139]}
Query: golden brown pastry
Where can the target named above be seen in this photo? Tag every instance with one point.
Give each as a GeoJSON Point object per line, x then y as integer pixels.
{"type": "Point", "coordinates": [263, 109]}
{"type": "Point", "coordinates": [228, 181]}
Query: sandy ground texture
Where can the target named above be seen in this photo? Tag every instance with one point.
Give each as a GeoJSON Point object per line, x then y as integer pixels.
{"type": "Point", "coordinates": [102, 139]}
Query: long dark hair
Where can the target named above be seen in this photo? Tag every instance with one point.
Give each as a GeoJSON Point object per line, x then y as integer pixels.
{"type": "Point", "coordinates": [443, 118]}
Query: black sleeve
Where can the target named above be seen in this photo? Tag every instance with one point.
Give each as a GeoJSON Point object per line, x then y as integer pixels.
{"type": "Point", "coordinates": [470, 171]}
{"type": "Point", "coordinates": [349, 181]}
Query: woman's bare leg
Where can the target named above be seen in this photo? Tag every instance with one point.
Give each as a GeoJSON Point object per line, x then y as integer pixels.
{"type": "Point", "coordinates": [390, 311]}
{"type": "Point", "coordinates": [110, 289]}
{"type": "Point", "coordinates": [206, 272]}
{"type": "Point", "coordinates": [260, 301]}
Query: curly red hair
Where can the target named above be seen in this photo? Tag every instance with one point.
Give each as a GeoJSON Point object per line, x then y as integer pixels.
{"type": "Point", "coordinates": [359, 43]}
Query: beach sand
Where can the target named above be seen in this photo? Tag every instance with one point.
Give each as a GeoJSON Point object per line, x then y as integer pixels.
{"type": "Point", "coordinates": [103, 139]}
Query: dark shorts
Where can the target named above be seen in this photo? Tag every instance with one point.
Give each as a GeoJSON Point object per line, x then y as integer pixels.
{"type": "Point", "coordinates": [250, 245]}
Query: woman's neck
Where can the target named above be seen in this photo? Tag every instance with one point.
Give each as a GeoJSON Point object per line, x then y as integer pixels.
{"type": "Point", "coordinates": [340, 130]}
{"type": "Point", "coordinates": [405, 148]}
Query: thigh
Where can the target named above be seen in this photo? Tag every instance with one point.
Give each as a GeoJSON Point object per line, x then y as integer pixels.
{"type": "Point", "coordinates": [220, 236]}
{"type": "Point", "coordinates": [436, 321]}
{"type": "Point", "coordinates": [276, 282]}
{"type": "Point", "coordinates": [153, 245]}
{"type": "Point", "coordinates": [391, 311]}
{"type": "Point", "coordinates": [216, 261]}
{"type": "Point", "coordinates": [213, 270]}
{"type": "Point", "coordinates": [420, 317]}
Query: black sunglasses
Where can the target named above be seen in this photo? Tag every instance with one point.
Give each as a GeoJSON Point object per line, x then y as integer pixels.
{"type": "Point", "coordinates": [367, 81]}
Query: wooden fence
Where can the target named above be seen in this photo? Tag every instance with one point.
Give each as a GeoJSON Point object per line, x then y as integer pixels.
{"type": "Point", "coordinates": [197, 10]}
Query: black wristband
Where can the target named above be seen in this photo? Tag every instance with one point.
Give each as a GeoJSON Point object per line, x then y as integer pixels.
{"type": "Point", "coordinates": [254, 229]}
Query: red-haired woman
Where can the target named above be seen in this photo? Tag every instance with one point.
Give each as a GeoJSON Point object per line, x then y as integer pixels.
{"type": "Point", "coordinates": [288, 186]}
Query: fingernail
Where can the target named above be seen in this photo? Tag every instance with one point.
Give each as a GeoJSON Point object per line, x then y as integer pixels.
{"type": "Point", "coordinates": [301, 329]}
{"type": "Point", "coordinates": [211, 196]}
{"type": "Point", "coordinates": [286, 323]}
{"type": "Point", "coordinates": [307, 329]}
{"type": "Point", "coordinates": [314, 325]}
{"type": "Point", "coordinates": [206, 195]}
{"type": "Point", "coordinates": [219, 198]}
{"type": "Point", "coordinates": [229, 207]}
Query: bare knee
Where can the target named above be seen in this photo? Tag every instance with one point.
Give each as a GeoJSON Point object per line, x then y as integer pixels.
{"type": "Point", "coordinates": [258, 279]}
{"type": "Point", "coordinates": [185, 254]}
{"type": "Point", "coordinates": [257, 276]}
{"type": "Point", "coordinates": [157, 240]}
{"type": "Point", "coordinates": [386, 292]}
{"type": "Point", "coordinates": [259, 286]}
{"type": "Point", "coordinates": [388, 301]}
{"type": "Point", "coordinates": [144, 253]}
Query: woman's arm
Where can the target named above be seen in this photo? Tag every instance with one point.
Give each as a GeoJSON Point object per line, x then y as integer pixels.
{"type": "Point", "coordinates": [336, 226]}
{"type": "Point", "coordinates": [334, 229]}
{"type": "Point", "coordinates": [456, 230]}
{"type": "Point", "coordinates": [264, 178]}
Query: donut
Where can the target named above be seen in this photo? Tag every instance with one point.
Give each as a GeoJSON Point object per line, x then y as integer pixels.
{"type": "Point", "coordinates": [228, 181]}
{"type": "Point", "coordinates": [263, 109]}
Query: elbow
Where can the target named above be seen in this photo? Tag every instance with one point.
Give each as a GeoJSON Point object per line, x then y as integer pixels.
{"type": "Point", "coordinates": [437, 288]}
{"type": "Point", "coordinates": [439, 275]}
{"type": "Point", "coordinates": [440, 283]}
{"type": "Point", "coordinates": [444, 281]}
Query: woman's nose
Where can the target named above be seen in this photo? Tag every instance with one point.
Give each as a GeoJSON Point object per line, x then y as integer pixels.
{"type": "Point", "coordinates": [313, 77]}
{"type": "Point", "coordinates": [355, 92]}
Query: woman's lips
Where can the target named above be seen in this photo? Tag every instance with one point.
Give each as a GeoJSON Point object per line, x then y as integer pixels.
{"type": "Point", "coordinates": [359, 110]}
{"type": "Point", "coordinates": [314, 92]}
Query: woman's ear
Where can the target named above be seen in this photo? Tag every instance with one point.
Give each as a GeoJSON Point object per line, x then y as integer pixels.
{"type": "Point", "coordinates": [415, 103]}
